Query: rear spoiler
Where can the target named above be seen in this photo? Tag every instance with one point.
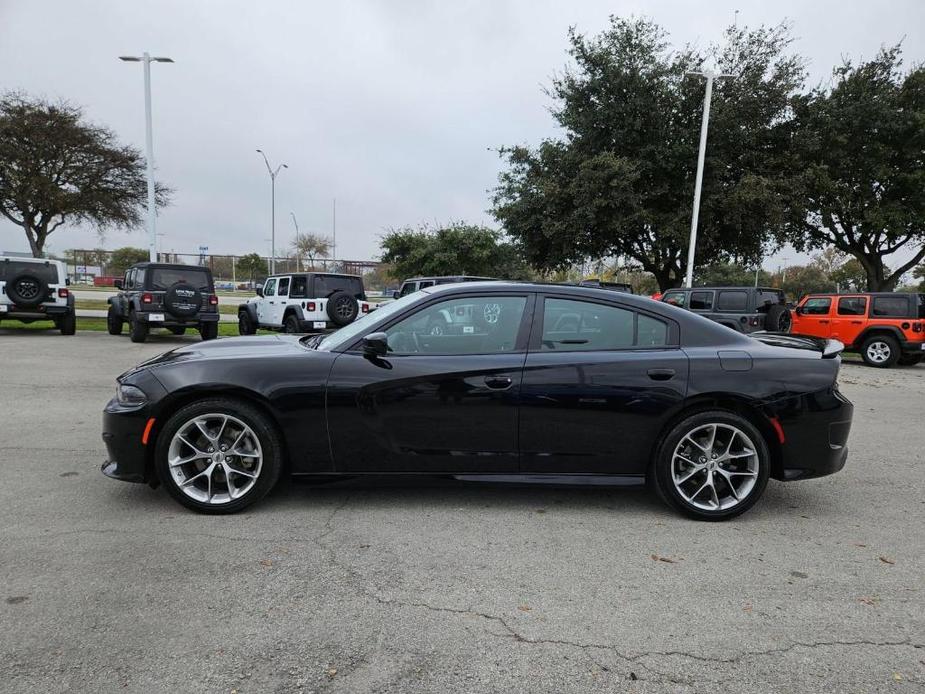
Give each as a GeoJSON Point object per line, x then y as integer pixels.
{"type": "Point", "coordinates": [828, 348]}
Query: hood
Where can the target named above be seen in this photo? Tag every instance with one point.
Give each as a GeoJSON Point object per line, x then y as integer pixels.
{"type": "Point", "coordinates": [251, 347]}
{"type": "Point", "coordinates": [825, 347]}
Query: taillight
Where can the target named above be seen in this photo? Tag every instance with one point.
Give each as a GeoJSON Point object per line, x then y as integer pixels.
{"type": "Point", "coordinates": [147, 298]}
{"type": "Point", "coordinates": [310, 306]}
{"type": "Point", "coordinates": [755, 320]}
{"type": "Point", "coordinates": [213, 300]}
{"type": "Point", "coordinates": [365, 308]}
{"type": "Point", "coordinates": [63, 293]}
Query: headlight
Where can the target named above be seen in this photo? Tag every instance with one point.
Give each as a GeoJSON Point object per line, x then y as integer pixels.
{"type": "Point", "coordinates": [130, 396]}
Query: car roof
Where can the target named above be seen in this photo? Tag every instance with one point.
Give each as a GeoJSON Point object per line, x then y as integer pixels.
{"type": "Point", "coordinates": [713, 289]}
{"type": "Point", "coordinates": [28, 259]}
{"type": "Point", "coordinates": [448, 277]}
{"type": "Point", "coordinates": [306, 274]}
{"type": "Point", "coordinates": [169, 266]}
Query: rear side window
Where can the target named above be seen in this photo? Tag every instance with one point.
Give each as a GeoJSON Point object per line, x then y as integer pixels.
{"type": "Point", "coordinates": [852, 306]}
{"type": "Point", "coordinates": [47, 273]}
{"type": "Point", "coordinates": [299, 287]}
{"type": "Point", "coordinates": [701, 301]}
{"type": "Point", "coordinates": [890, 307]}
{"type": "Point", "coordinates": [675, 299]}
{"type": "Point", "coordinates": [585, 326]}
{"type": "Point", "coordinates": [163, 278]}
{"type": "Point", "coordinates": [732, 301]}
{"type": "Point", "coordinates": [325, 285]}
{"type": "Point", "coordinates": [817, 307]}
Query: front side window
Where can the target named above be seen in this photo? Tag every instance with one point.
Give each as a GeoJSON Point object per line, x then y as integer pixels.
{"type": "Point", "coordinates": [732, 301]}
{"type": "Point", "coordinates": [890, 307]}
{"type": "Point", "coordinates": [269, 289]}
{"type": "Point", "coordinates": [570, 325]}
{"type": "Point", "coordinates": [407, 288]}
{"type": "Point", "coordinates": [817, 307]}
{"type": "Point", "coordinates": [283, 288]}
{"type": "Point", "coordinates": [701, 301]}
{"type": "Point", "coordinates": [675, 299]}
{"type": "Point", "coordinates": [461, 325]}
{"type": "Point", "coordinates": [852, 306]}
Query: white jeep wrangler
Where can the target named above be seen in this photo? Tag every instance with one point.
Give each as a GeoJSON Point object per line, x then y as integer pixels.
{"type": "Point", "coordinates": [35, 289]}
{"type": "Point", "coordinates": [304, 302]}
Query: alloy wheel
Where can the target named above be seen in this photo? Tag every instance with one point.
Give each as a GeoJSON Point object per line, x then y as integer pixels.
{"type": "Point", "coordinates": [215, 458]}
{"type": "Point", "coordinates": [878, 352]}
{"type": "Point", "coordinates": [715, 467]}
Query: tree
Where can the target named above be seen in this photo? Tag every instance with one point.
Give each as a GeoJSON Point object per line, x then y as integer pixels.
{"type": "Point", "coordinates": [57, 169]}
{"type": "Point", "coordinates": [919, 274]}
{"type": "Point", "coordinates": [251, 265]}
{"type": "Point", "coordinates": [123, 258]}
{"type": "Point", "coordinates": [310, 246]}
{"type": "Point", "coordinates": [457, 249]}
{"type": "Point", "coordinates": [621, 181]}
{"type": "Point", "coordinates": [860, 185]}
{"type": "Point", "coordinates": [731, 275]}
{"type": "Point", "coordinates": [850, 275]}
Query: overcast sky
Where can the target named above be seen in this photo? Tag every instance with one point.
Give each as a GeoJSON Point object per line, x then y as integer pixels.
{"type": "Point", "coordinates": [388, 106]}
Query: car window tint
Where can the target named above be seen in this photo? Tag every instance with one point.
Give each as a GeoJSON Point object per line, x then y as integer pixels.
{"type": "Point", "coordinates": [582, 325]}
{"type": "Point", "coordinates": [299, 287]}
{"type": "Point", "coordinates": [269, 288]}
{"type": "Point", "coordinates": [852, 306]}
{"type": "Point", "coordinates": [325, 285]}
{"type": "Point", "coordinates": [427, 283]}
{"type": "Point", "coordinates": [675, 298]}
{"type": "Point", "coordinates": [651, 332]}
{"type": "Point", "coordinates": [140, 277]}
{"type": "Point", "coordinates": [407, 288]}
{"type": "Point", "coordinates": [163, 278]}
{"type": "Point", "coordinates": [732, 301]}
{"type": "Point", "coordinates": [890, 307]}
{"type": "Point", "coordinates": [767, 299]}
{"type": "Point", "coordinates": [10, 268]}
{"type": "Point", "coordinates": [283, 288]}
{"type": "Point", "coordinates": [461, 325]}
{"type": "Point", "coordinates": [817, 307]}
{"type": "Point", "coordinates": [701, 301]}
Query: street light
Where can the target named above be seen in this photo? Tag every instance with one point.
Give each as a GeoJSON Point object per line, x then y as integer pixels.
{"type": "Point", "coordinates": [273, 173]}
{"type": "Point", "coordinates": [298, 251]}
{"type": "Point", "coordinates": [710, 75]}
{"type": "Point", "coordinates": [149, 145]}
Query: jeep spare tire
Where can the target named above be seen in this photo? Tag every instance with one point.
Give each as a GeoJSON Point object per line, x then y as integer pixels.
{"type": "Point", "coordinates": [183, 300]}
{"type": "Point", "coordinates": [342, 309]}
{"type": "Point", "coordinates": [27, 289]}
{"type": "Point", "coordinates": [778, 319]}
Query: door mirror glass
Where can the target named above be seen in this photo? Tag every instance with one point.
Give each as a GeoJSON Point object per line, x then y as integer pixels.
{"type": "Point", "coordinates": [395, 294]}
{"type": "Point", "coordinates": [376, 345]}
{"type": "Point", "coordinates": [259, 290]}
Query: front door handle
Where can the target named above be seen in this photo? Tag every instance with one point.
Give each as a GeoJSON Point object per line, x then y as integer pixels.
{"type": "Point", "coordinates": [661, 374]}
{"type": "Point", "coordinates": [499, 382]}
{"type": "Point", "coordinates": [823, 321]}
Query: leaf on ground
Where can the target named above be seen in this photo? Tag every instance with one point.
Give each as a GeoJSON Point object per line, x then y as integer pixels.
{"type": "Point", "coordinates": [524, 608]}
{"type": "Point", "coordinates": [868, 601]}
{"type": "Point", "coordinates": [266, 562]}
{"type": "Point", "coordinates": [655, 557]}
{"type": "Point", "coordinates": [859, 544]}
{"type": "Point", "coordinates": [886, 560]}
{"type": "Point", "coordinates": [331, 672]}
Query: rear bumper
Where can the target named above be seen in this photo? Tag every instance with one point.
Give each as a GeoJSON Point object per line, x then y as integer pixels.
{"type": "Point", "coordinates": [38, 313]}
{"type": "Point", "coordinates": [171, 321]}
{"type": "Point", "coordinates": [816, 428]}
{"type": "Point", "coordinates": [909, 347]}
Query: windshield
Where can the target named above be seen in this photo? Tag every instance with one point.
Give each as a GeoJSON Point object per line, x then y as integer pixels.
{"type": "Point", "coordinates": [348, 333]}
{"type": "Point", "coordinates": [162, 278]}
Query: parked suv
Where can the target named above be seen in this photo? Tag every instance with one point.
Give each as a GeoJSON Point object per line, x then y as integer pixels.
{"type": "Point", "coordinates": [304, 302]}
{"type": "Point", "coordinates": [161, 295]}
{"type": "Point", "coordinates": [746, 309]}
{"type": "Point", "coordinates": [886, 328]}
{"type": "Point", "coordinates": [412, 284]}
{"type": "Point", "coordinates": [604, 284]}
{"type": "Point", "coordinates": [35, 289]}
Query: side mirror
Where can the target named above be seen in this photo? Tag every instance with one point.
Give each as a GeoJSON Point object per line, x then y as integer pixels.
{"type": "Point", "coordinates": [259, 291]}
{"type": "Point", "coordinates": [376, 345]}
{"type": "Point", "coordinates": [800, 310]}
{"type": "Point", "coordinates": [395, 294]}
{"type": "Point", "coordinates": [118, 284]}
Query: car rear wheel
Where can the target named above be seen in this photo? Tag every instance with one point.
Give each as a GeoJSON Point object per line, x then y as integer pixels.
{"type": "Point", "coordinates": [218, 455]}
{"type": "Point", "coordinates": [881, 351]}
{"type": "Point", "coordinates": [68, 323]}
{"type": "Point", "coordinates": [138, 329]}
{"type": "Point", "coordinates": [113, 322]}
{"type": "Point", "coordinates": [712, 465]}
{"type": "Point", "coordinates": [208, 331]}
{"type": "Point", "coordinates": [291, 325]}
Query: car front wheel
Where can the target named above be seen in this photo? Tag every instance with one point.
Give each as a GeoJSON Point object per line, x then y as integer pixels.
{"type": "Point", "coordinates": [712, 465]}
{"type": "Point", "coordinates": [218, 455]}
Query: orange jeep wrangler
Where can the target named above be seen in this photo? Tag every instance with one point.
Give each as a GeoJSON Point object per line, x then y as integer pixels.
{"type": "Point", "coordinates": [885, 328]}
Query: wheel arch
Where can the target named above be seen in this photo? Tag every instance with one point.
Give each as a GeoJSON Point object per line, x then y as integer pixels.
{"type": "Point", "coordinates": [875, 330]}
{"type": "Point", "coordinates": [250, 310]}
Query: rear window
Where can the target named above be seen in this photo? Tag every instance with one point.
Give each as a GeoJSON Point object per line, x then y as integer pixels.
{"type": "Point", "coordinates": [11, 268]}
{"type": "Point", "coordinates": [767, 299]}
{"type": "Point", "coordinates": [732, 301]}
{"type": "Point", "coordinates": [164, 278]}
{"type": "Point", "coordinates": [890, 307]}
{"type": "Point", "coordinates": [325, 285]}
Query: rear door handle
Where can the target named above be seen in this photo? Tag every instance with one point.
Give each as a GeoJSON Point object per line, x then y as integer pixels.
{"type": "Point", "coordinates": [857, 322]}
{"type": "Point", "coordinates": [499, 382]}
{"type": "Point", "coordinates": [823, 321]}
{"type": "Point", "coordinates": [661, 374]}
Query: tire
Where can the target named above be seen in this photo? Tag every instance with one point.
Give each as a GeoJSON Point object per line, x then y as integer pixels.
{"type": "Point", "coordinates": [342, 308]}
{"type": "Point", "coordinates": [113, 322]}
{"type": "Point", "coordinates": [880, 351]}
{"type": "Point", "coordinates": [182, 300]}
{"type": "Point", "coordinates": [26, 289]}
{"type": "Point", "coordinates": [910, 359]}
{"type": "Point", "coordinates": [137, 330]}
{"type": "Point", "coordinates": [245, 324]}
{"type": "Point", "coordinates": [208, 331]}
{"type": "Point", "coordinates": [291, 324]}
{"type": "Point", "coordinates": [68, 323]}
{"type": "Point", "coordinates": [748, 475]}
{"type": "Point", "coordinates": [262, 439]}
{"type": "Point", "coordinates": [178, 330]}
{"type": "Point", "coordinates": [778, 319]}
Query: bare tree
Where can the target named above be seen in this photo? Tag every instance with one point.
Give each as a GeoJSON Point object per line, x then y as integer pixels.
{"type": "Point", "coordinates": [308, 247]}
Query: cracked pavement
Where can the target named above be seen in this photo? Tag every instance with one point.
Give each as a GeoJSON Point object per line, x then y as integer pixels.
{"type": "Point", "coordinates": [429, 586]}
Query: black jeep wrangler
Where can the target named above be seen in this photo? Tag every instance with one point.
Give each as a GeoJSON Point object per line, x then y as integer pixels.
{"type": "Point", "coordinates": [745, 309]}
{"type": "Point", "coordinates": [159, 295]}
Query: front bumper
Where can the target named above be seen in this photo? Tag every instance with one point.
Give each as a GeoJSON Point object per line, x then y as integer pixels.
{"type": "Point", "coordinates": [816, 428]}
{"type": "Point", "coordinates": [126, 455]}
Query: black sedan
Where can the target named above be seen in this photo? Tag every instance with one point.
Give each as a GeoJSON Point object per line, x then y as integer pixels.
{"type": "Point", "coordinates": [489, 381]}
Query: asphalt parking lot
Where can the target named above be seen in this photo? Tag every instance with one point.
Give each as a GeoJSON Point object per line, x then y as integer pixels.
{"type": "Point", "coordinates": [436, 587]}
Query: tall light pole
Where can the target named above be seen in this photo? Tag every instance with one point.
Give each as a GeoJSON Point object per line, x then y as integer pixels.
{"type": "Point", "coordinates": [298, 251]}
{"type": "Point", "coordinates": [710, 75]}
{"type": "Point", "coordinates": [149, 146]}
{"type": "Point", "coordinates": [273, 172]}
